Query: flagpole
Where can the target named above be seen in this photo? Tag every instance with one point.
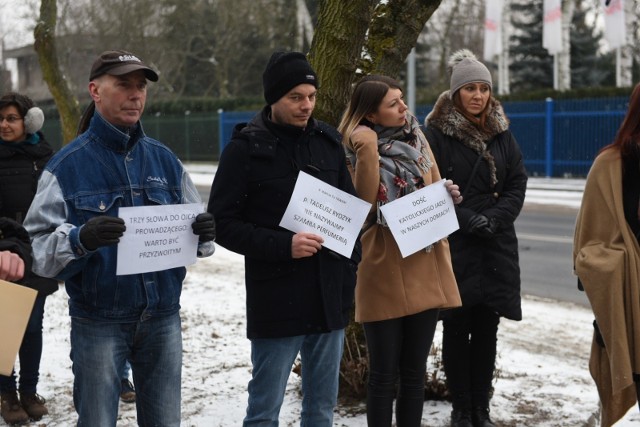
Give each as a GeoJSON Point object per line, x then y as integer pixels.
{"type": "Point", "coordinates": [618, 67]}
{"type": "Point", "coordinates": [555, 71]}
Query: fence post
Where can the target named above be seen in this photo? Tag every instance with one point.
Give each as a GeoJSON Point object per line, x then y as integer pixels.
{"type": "Point", "coordinates": [186, 135]}
{"type": "Point", "coordinates": [220, 131]}
{"type": "Point", "coordinates": [548, 134]}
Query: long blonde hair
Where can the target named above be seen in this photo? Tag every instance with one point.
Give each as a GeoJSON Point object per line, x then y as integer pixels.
{"type": "Point", "coordinates": [365, 99]}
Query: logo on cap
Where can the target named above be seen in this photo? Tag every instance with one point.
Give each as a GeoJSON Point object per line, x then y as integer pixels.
{"type": "Point", "coordinates": [124, 58]}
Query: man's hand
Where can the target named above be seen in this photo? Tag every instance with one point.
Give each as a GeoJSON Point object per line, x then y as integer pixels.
{"type": "Point", "coordinates": [205, 227]}
{"type": "Point", "coordinates": [101, 231]}
{"type": "Point", "coordinates": [11, 266]}
{"type": "Point", "coordinates": [305, 244]}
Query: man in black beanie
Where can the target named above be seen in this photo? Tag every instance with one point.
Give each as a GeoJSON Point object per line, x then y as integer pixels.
{"type": "Point", "coordinates": [299, 295]}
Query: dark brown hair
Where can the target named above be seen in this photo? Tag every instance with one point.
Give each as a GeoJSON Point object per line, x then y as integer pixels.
{"type": "Point", "coordinates": [22, 102]}
{"type": "Point", "coordinates": [366, 98]}
{"type": "Point", "coordinates": [479, 120]}
{"type": "Point", "coordinates": [628, 135]}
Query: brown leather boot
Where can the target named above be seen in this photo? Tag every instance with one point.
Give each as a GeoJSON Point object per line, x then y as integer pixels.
{"type": "Point", "coordinates": [10, 409]}
{"type": "Point", "coordinates": [33, 404]}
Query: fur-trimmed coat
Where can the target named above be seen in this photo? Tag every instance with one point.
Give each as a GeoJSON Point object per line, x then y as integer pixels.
{"type": "Point", "coordinates": [487, 268]}
{"type": "Point", "coordinates": [607, 261]}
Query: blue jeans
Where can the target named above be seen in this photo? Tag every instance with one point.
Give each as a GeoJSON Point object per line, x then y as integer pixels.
{"type": "Point", "coordinates": [29, 354]}
{"type": "Point", "coordinates": [99, 351]}
{"type": "Point", "coordinates": [272, 360]}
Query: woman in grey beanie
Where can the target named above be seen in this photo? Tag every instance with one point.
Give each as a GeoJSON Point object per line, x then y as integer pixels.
{"type": "Point", "coordinates": [471, 142]}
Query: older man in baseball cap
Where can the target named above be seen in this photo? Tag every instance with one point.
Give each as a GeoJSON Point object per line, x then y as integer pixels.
{"type": "Point", "coordinates": [74, 226]}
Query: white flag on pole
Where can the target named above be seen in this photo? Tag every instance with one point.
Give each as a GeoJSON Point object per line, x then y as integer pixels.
{"type": "Point", "coordinates": [615, 32]}
{"type": "Point", "coordinates": [493, 29]}
{"type": "Point", "coordinates": [552, 27]}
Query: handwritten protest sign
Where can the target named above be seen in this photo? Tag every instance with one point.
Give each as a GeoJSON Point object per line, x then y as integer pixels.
{"type": "Point", "coordinates": [317, 207]}
{"type": "Point", "coordinates": [421, 218]}
{"type": "Point", "coordinates": [157, 238]}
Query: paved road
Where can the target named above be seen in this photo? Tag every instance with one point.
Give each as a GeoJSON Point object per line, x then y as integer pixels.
{"type": "Point", "coordinates": [545, 235]}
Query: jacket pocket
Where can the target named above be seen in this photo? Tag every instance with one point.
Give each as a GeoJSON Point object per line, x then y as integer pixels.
{"type": "Point", "coordinates": [161, 196]}
{"type": "Point", "coordinates": [89, 206]}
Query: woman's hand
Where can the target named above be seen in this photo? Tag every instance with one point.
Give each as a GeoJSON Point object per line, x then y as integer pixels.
{"type": "Point", "coordinates": [11, 266]}
{"type": "Point", "coordinates": [454, 190]}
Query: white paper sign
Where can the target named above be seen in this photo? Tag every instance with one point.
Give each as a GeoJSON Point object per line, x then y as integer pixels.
{"type": "Point", "coordinates": [157, 238]}
{"type": "Point", "coordinates": [421, 218]}
{"type": "Point", "coordinates": [319, 208]}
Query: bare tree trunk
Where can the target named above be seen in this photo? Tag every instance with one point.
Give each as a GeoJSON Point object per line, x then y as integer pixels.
{"type": "Point", "coordinates": [335, 52]}
{"type": "Point", "coordinates": [341, 34]}
{"type": "Point", "coordinates": [44, 44]}
{"type": "Point", "coordinates": [394, 31]}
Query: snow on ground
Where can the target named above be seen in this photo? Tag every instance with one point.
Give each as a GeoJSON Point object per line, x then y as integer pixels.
{"type": "Point", "coordinates": [542, 367]}
{"type": "Point", "coordinates": [542, 380]}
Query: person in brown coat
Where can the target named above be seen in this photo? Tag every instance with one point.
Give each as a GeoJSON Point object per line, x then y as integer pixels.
{"type": "Point", "coordinates": [397, 299]}
{"type": "Point", "coordinates": [607, 262]}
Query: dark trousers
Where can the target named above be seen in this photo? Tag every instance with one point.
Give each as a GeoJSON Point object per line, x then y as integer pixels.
{"type": "Point", "coordinates": [636, 380]}
{"type": "Point", "coordinates": [30, 353]}
{"type": "Point", "coordinates": [469, 344]}
{"type": "Point", "coordinates": [398, 349]}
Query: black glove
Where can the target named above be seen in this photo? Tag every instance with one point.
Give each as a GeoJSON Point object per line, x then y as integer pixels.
{"type": "Point", "coordinates": [476, 222]}
{"type": "Point", "coordinates": [482, 226]}
{"type": "Point", "coordinates": [205, 227]}
{"type": "Point", "coordinates": [101, 231]}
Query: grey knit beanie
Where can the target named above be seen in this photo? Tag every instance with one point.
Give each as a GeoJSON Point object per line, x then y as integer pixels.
{"type": "Point", "coordinates": [465, 68]}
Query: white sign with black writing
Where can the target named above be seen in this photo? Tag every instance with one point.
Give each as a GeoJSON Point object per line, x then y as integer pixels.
{"type": "Point", "coordinates": [319, 208]}
{"type": "Point", "coordinates": [421, 218]}
{"type": "Point", "coordinates": [157, 238]}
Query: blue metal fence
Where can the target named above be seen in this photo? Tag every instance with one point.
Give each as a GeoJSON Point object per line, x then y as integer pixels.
{"type": "Point", "coordinates": [561, 138]}
{"type": "Point", "coordinates": [557, 137]}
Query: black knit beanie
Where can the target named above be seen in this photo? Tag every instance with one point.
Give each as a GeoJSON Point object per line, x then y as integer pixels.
{"type": "Point", "coordinates": [284, 71]}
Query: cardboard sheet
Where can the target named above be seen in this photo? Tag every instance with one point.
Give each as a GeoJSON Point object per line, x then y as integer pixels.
{"type": "Point", "coordinates": [16, 303]}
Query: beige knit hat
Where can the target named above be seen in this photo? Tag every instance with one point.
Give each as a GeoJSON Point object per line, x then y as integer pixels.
{"type": "Point", "coordinates": [465, 68]}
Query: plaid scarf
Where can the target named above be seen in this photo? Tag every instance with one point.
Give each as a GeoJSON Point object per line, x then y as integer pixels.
{"type": "Point", "coordinates": [404, 158]}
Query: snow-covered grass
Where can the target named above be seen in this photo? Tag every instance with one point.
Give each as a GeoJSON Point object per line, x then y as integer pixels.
{"type": "Point", "coordinates": [542, 367]}
{"type": "Point", "coordinates": [542, 379]}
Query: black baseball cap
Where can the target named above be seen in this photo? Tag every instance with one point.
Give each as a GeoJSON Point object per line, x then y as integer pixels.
{"type": "Point", "coordinates": [119, 62]}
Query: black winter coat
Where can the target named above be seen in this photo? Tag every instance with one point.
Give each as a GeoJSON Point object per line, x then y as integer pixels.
{"type": "Point", "coordinates": [256, 176]}
{"type": "Point", "coordinates": [14, 238]}
{"type": "Point", "coordinates": [487, 268]}
{"type": "Point", "coordinates": [20, 167]}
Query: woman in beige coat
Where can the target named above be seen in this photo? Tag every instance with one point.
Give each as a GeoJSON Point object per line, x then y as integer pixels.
{"type": "Point", "coordinates": [606, 257]}
{"type": "Point", "coordinates": [397, 299]}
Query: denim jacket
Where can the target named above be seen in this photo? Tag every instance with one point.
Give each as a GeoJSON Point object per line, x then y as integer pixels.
{"type": "Point", "coordinates": [100, 171]}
